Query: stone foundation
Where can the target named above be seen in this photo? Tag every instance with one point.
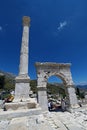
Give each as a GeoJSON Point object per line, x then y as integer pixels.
{"type": "Point", "coordinates": [20, 105]}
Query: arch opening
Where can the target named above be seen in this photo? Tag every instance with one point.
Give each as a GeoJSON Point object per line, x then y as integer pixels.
{"type": "Point", "coordinates": [55, 92]}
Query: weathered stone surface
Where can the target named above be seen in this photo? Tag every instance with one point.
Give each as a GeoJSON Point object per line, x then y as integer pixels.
{"type": "Point", "coordinates": [1, 104]}
{"type": "Point", "coordinates": [26, 21]}
{"type": "Point", "coordinates": [21, 92]}
{"type": "Point", "coordinates": [47, 69]}
{"type": "Point", "coordinates": [20, 105]}
{"type": "Point", "coordinates": [18, 124]}
{"type": "Point", "coordinates": [4, 124]}
{"type": "Point", "coordinates": [74, 127]}
{"type": "Point", "coordinates": [60, 70]}
{"type": "Point", "coordinates": [22, 86]}
{"type": "Point", "coordinates": [31, 123]}
{"type": "Point", "coordinates": [42, 98]}
{"type": "Point", "coordinates": [77, 120]}
{"type": "Point", "coordinates": [72, 97]}
{"type": "Point", "coordinates": [19, 113]}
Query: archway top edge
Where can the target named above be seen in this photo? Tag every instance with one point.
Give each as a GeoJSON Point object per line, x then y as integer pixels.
{"type": "Point", "coordinates": [52, 64]}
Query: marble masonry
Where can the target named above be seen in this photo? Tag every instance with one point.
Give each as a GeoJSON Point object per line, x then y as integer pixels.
{"type": "Point", "coordinates": [22, 85]}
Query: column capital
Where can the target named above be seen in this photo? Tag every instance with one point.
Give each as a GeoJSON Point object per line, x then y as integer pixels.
{"type": "Point", "coordinates": [26, 21]}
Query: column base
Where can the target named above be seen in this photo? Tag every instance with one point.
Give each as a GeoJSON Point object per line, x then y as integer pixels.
{"type": "Point", "coordinates": [22, 88]}
{"type": "Point", "coordinates": [21, 105]}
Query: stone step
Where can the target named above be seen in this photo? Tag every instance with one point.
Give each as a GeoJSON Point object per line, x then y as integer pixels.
{"type": "Point", "coordinates": [19, 113]}
{"type": "Point", "coordinates": [20, 105]}
{"type": "Point", "coordinates": [29, 123]}
{"type": "Point", "coordinates": [74, 127]}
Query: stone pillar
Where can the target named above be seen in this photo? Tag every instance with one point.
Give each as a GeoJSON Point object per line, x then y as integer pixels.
{"type": "Point", "coordinates": [71, 96]}
{"type": "Point", "coordinates": [22, 85]}
{"type": "Point", "coordinates": [23, 67]}
{"type": "Point", "coordinates": [42, 98]}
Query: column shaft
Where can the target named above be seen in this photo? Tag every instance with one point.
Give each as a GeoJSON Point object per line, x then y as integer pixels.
{"type": "Point", "coordinates": [23, 67]}
{"type": "Point", "coordinates": [42, 98]}
{"type": "Point", "coordinates": [22, 86]}
{"type": "Point", "coordinates": [71, 95]}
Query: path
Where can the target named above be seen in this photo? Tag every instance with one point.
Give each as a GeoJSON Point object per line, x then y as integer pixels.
{"type": "Point", "coordinates": [76, 120]}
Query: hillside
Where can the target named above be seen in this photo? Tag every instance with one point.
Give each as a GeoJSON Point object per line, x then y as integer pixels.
{"type": "Point", "coordinates": [84, 87]}
{"type": "Point", "coordinates": [7, 74]}
{"type": "Point", "coordinates": [7, 81]}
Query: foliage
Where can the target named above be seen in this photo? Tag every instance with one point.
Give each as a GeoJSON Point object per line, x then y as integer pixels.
{"type": "Point", "coordinates": [80, 93]}
{"type": "Point", "coordinates": [2, 81]}
{"type": "Point", "coordinates": [7, 83]}
{"type": "Point", "coordinates": [33, 84]}
{"type": "Point", "coordinates": [5, 95]}
{"type": "Point", "coordinates": [56, 89]}
{"type": "Point", "coordinates": [77, 91]}
{"type": "Point", "coordinates": [51, 88]}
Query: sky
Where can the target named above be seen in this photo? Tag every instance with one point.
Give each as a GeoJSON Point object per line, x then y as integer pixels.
{"type": "Point", "coordinates": [58, 33]}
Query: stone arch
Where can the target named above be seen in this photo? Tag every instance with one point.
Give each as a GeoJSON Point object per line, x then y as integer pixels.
{"type": "Point", "coordinates": [60, 70]}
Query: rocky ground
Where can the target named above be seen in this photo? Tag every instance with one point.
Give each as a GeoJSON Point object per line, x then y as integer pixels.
{"type": "Point", "coordinates": [76, 120]}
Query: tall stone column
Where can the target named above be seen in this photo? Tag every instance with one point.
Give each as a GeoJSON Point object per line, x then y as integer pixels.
{"type": "Point", "coordinates": [22, 85]}
{"type": "Point", "coordinates": [23, 67]}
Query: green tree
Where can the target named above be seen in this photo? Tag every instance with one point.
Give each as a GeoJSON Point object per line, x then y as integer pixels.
{"type": "Point", "coordinates": [9, 84]}
{"type": "Point", "coordinates": [80, 93]}
{"type": "Point", "coordinates": [2, 81]}
{"type": "Point", "coordinates": [53, 89]}
{"type": "Point", "coordinates": [33, 84]}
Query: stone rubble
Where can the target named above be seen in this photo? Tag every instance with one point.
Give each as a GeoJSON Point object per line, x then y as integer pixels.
{"type": "Point", "coordinates": [76, 120]}
{"type": "Point", "coordinates": [4, 124]}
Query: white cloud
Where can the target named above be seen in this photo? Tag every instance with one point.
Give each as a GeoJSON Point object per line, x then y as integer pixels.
{"type": "Point", "coordinates": [6, 24]}
{"type": "Point", "coordinates": [0, 28]}
{"type": "Point", "coordinates": [62, 25]}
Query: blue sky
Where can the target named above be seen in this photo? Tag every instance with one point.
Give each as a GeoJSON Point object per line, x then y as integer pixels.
{"type": "Point", "coordinates": [58, 33]}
